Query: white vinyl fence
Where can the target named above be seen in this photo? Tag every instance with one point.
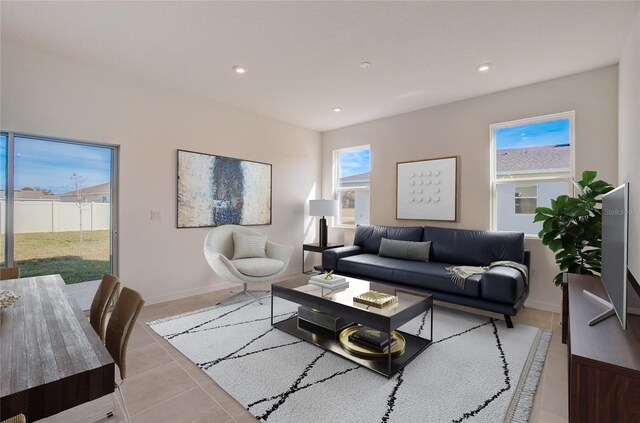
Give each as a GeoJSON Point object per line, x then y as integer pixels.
{"type": "Point", "coordinates": [55, 216]}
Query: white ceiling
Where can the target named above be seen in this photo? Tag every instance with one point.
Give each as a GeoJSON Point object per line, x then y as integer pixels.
{"type": "Point", "coordinates": [303, 58]}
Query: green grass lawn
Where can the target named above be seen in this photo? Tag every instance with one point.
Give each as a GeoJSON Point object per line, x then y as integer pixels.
{"type": "Point", "coordinates": [62, 252]}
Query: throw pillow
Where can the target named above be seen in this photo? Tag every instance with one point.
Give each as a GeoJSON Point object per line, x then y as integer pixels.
{"type": "Point", "coordinates": [407, 250]}
{"type": "Point", "coordinates": [249, 246]}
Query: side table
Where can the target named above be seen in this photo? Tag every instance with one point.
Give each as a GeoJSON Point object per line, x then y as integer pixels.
{"type": "Point", "coordinates": [317, 248]}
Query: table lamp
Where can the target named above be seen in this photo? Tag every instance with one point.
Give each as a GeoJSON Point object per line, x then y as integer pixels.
{"type": "Point", "coordinates": [323, 208]}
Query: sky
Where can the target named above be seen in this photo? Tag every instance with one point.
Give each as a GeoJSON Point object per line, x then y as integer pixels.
{"type": "Point", "coordinates": [49, 165]}
{"type": "Point", "coordinates": [553, 132]}
{"type": "Point", "coordinates": [355, 162]}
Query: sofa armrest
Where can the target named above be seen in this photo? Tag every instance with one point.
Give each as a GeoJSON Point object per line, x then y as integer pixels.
{"type": "Point", "coordinates": [502, 284]}
{"type": "Point", "coordinates": [331, 256]}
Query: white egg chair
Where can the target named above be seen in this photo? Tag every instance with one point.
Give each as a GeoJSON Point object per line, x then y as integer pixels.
{"type": "Point", "coordinates": [219, 251]}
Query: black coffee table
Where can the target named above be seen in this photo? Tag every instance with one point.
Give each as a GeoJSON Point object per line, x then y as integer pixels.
{"type": "Point", "coordinates": [340, 303]}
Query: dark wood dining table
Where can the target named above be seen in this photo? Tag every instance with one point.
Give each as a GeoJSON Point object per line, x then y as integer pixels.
{"type": "Point", "coordinates": [51, 359]}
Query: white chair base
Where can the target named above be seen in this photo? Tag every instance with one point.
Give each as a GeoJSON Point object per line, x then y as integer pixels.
{"type": "Point", "coordinates": [245, 291]}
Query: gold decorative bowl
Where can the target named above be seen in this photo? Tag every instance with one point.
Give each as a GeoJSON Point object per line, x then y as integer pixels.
{"type": "Point", "coordinates": [365, 352]}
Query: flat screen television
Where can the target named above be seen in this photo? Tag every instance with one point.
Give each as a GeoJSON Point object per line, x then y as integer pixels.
{"type": "Point", "coordinates": [615, 273]}
{"type": "Point", "coordinates": [615, 234]}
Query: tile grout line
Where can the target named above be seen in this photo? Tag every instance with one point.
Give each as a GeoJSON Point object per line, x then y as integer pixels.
{"type": "Point", "coordinates": [198, 384]}
{"type": "Point", "coordinates": [162, 402]}
{"type": "Point", "coordinates": [542, 402]}
{"type": "Point", "coordinates": [173, 359]}
{"type": "Point", "coordinates": [218, 402]}
{"type": "Point", "coordinates": [153, 334]}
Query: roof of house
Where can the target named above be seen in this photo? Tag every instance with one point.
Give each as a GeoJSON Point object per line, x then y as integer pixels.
{"type": "Point", "coordinates": [95, 189]}
{"type": "Point", "coordinates": [355, 179]}
{"type": "Point", "coordinates": [33, 195]}
{"type": "Point", "coordinates": [30, 195]}
{"type": "Point", "coordinates": [549, 158]}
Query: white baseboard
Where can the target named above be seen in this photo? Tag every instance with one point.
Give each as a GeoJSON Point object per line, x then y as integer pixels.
{"type": "Point", "coordinates": [176, 295]}
{"type": "Point", "coordinates": [542, 305]}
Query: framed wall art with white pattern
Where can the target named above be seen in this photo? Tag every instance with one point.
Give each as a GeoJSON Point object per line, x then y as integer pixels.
{"type": "Point", "coordinates": [427, 189]}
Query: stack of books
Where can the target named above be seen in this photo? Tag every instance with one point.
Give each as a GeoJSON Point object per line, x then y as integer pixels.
{"type": "Point", "coordinates": [372, 338]}
{"type": "Point", "coordinates": [333, 282]}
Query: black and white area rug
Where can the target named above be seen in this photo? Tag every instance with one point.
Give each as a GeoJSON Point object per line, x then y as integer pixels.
{"type": "Point", "coordinates": [476, 370]}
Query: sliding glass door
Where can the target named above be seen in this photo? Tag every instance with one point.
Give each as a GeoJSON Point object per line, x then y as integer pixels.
{"type": "Point", "coordinates": [61, 202]}
{"type": "Point", "coordinates": [3, 197]}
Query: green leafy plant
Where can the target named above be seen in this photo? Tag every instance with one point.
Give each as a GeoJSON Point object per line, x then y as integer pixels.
{"type": "Point", "coordinates": [572, 227]}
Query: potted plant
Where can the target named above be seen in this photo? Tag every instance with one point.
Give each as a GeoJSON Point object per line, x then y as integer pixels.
{"type": "Point", "coordinates": [572, 229]}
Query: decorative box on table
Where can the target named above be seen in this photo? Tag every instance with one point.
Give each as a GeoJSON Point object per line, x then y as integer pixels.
{"type": "Point", "coordinates": [321, 319]}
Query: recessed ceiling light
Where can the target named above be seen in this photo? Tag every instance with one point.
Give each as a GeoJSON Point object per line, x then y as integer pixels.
{"type": "Point", "coordinates": [484, 67]}
{"type": "Point", "coordinates": [239, 69]}
{"type": "Point", "coordinates": [337, 109]}
{"type": "Point", "coordinates": [365, 65]}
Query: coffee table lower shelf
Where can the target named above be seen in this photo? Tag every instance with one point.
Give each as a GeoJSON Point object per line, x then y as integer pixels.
{"type": "Point", "coordinates": [414, 346]}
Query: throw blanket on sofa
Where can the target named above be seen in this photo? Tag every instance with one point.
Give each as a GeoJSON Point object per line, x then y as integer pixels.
{"type": "Point", "coordinates": [459, 274]}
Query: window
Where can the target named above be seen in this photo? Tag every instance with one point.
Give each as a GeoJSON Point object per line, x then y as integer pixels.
{"type": "Point", "coordinates": [526, 199]}
{"type": "Point", "coordinates": [531, 164]}
{"type": "Point", "coordinates": [352, 172]}
{"type": "Point", "coordinates": [51, 221]}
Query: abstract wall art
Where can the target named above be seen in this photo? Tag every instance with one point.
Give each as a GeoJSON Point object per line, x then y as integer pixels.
{"type": "Point", "coordinates": [427, 189]}
{"type": "Point", "coordinates": [218, 190]}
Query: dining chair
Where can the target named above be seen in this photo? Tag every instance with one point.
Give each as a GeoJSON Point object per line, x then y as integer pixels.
{"type": "Point", "coordinates": [123, 319]}
{"type": "Point", "coordinates": [20, 418]}
{"type": "Point", "coordinates": [9, 273]}
{"type": "Point", "coordinates": [100, 305]}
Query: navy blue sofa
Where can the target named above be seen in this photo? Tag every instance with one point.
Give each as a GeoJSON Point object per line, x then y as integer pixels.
{"type": "Point", "coordinates": [501, 289]}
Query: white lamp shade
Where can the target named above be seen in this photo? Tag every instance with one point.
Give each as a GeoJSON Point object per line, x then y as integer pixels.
{"type": "Point", "coordinates": [323, 207]}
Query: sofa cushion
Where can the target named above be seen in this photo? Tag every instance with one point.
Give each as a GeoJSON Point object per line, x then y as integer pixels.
{"type": "Point", "coordinates": [502, 284]}
{"type": "Point", "coordinates": [406, 250]}
{"type": "Point", "coordinates": [475, 248]}
{"type": "Point", "coordinates": [369, 266]}
{"type": "Point", "coordinates": [258, 267]}
{"type": "Point", "coordinates": [369, 236]}
{"type": "Point", "coordinates": [429, 276]}
{"type": "Point", "coordinates": [434, 277]}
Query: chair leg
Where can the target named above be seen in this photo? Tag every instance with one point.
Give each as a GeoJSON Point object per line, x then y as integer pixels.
{"type": "Point", "coordinates": [250, 295]}
{"type": "Point", "coordinates": [107, 415]}
{"type": "Point", "coordinates": [115, 405]}
{"type": "Point", "coordinates": [124, 403]}
{"type": "Point", "coordinates": [245, 291]}
{"type": "Point", "coordinates": [234, 295]}
{"type": "Point", "coordinates": [251, 292]}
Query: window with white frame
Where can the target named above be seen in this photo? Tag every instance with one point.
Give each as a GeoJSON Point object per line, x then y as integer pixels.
{"type": "Point", "coordinates": [531, 164]}
{"type": "Point", "coordinates": [352, 174]}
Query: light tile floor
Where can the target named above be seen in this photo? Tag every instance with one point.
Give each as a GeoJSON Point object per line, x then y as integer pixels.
{"type": "Point", "coordinates": [164, 386]}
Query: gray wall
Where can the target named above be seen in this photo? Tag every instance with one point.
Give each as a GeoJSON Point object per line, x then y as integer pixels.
{"type": "Point", "coordinates": [462, 129]}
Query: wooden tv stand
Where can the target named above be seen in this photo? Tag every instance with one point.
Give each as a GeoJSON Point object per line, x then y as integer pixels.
{"type": "Point", "coordinates": [604, 360]}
